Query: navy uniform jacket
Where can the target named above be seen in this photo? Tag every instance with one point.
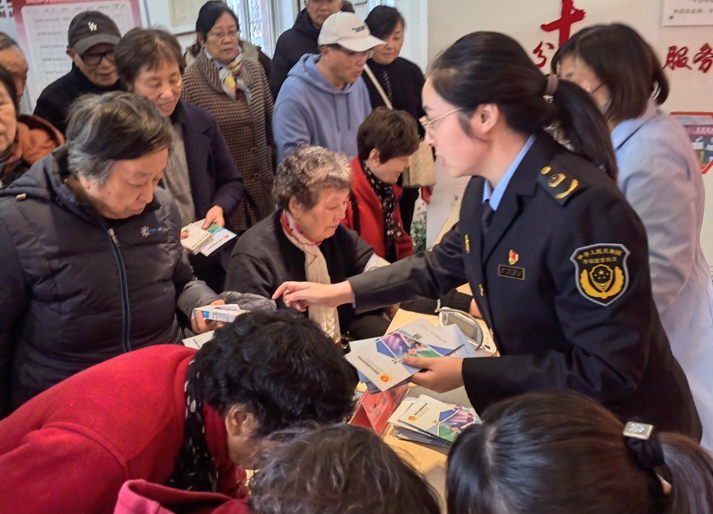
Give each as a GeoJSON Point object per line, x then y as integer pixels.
{"type": "Point", "coordinates": [562, 278]}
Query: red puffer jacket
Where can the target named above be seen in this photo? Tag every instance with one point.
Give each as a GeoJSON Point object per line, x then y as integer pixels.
{"type": "Point", "coordinates": [371, 216]}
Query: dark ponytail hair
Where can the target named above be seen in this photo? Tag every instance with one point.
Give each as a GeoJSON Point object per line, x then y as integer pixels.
{"type": "Point", "coordinates": [625, 63]}
{"type": "Point", "coordinates": [489, 67]}
{"type": "Point", "coordinates": [559, 453]}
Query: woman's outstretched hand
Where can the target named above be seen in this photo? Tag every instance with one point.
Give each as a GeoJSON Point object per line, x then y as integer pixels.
{"type": "Point", "coordinates": [301, 295]}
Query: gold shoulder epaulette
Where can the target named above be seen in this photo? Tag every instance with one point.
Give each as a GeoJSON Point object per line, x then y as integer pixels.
{"type": "Point", "coordinates": [559, 184]}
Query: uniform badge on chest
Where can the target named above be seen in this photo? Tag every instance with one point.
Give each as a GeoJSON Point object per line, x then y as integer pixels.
{"type": "Point", "coordinates": [511, 271]}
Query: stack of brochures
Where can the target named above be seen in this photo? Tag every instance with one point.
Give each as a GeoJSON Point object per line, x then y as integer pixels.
{"type": "Point", "coordinates": [429, 421]}
{"type": "Point", "coordinates": [204, 241]}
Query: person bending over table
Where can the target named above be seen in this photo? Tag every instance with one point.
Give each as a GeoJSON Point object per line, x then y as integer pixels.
{"type": "Point", "coordinates": [305, 240]}
{"type": "Point", "coordinates": [171, 415]}
{"type": "Point", "coordinates": [91, 263]}
{"type": "Point", "coordinates": [329, 469]}
{"type": "Point", "coordinates": [556, 257]}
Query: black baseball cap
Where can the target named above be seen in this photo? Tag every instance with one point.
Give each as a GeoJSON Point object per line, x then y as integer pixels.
{"type": "Point", "coordinates": [92, 28]}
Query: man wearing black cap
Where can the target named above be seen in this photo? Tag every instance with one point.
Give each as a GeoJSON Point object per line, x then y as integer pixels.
{"type": "Point", "coordinates": [93, 36]}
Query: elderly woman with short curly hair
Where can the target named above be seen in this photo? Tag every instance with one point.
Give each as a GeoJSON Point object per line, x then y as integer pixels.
{"type": "Point", "coordinates": [305, 240]}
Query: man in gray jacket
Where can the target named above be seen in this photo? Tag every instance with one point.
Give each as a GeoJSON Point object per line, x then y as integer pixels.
{"type": "Point", "coordinates": [91, 262]}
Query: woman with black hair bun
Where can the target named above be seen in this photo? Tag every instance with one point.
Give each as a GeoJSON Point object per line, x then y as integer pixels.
{"type": "Point", "coordinates": [559, 453]}
{"type": "Point", "coordinates": [555, 256]}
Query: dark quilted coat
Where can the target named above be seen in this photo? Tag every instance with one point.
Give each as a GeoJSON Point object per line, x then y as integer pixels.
{"type": "Point", "coordinates": [72, 295]}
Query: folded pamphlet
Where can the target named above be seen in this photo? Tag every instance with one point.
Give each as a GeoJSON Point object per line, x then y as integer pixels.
{"type": "Point", "coordinates": [379, 360]}
{"type": "Point", "coordinates": [198, 240]}
{"type": "Point", "coordinates": [224, 313]}
{"type": "Point", "coordinates": [427, 420]}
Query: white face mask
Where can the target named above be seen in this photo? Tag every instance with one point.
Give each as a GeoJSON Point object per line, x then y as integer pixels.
{"type": "Point", "coordinates": [604, 106]}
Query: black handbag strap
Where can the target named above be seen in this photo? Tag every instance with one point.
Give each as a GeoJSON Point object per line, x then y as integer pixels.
{"type": "Point", "coordinates": [356, 224]}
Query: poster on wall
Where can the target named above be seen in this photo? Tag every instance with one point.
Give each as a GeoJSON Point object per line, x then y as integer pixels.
{"type": "Point", "coordinates": [176, 16]}
{"type": "Point", "coordinates": [42, 33]}
{"type": "Point", "coordinates": [699, 127]}
{"type": "Point", "coordinates": [687, 12]}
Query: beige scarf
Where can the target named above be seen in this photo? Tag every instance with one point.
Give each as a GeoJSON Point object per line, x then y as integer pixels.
{"type": "Point", "coordinates": [315, 271]}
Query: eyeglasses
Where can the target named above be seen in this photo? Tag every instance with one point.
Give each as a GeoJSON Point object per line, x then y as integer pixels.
{"type": "Point", "coordinates": [357, 56]}
{"type": "Point", "coordinates": [221, 36]}
{"type": "Point", "coordinates": [95, 59]}
{"type": "Point", "coordinates": [595, 89]}
{"type": "Point", "coordinates": [429, 124]}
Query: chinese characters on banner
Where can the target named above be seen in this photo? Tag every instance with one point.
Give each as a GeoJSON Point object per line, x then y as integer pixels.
{"type": "Point", "coordinates": [569, 15]}
{"type": "Point", "coordinates": [5, 9]}
{"type": "Point", "coordinates": [687, 12]}
{"type": "Point", "coordinates": [678, 57]}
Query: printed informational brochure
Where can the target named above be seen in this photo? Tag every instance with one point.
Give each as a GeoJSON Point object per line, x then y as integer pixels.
{"type": "Point", "coordinates": [379, 360]}
{"type": "Point", "coordinates": [224, 313]}
{"type": "Point", "coordinates": [197, 240]}
{"type": "Point", "coordinates": [427, 420]}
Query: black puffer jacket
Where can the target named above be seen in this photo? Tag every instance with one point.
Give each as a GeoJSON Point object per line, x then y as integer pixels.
{"type": "Point", "coordinates": [292, 44]}
{"type": "Point", "coordinates": [77, 289]}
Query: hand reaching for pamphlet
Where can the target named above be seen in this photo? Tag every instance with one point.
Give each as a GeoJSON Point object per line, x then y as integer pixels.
{"type": "Point", "coordinates": [301, 295]}
{"type": "Point", "coordinates": [439, 375]}
{"type": "Point", "coordinates": [214, 215]}
{"type": "Point", "coordinates": [200, 325]}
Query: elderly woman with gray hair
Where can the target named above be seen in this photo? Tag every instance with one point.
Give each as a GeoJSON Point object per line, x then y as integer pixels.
{"type": "Point", "coordinates": [91, 263]}
{"type": "Point", "coordinates": [305, 240]}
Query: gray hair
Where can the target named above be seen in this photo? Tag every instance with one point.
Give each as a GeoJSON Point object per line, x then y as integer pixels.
{"type": "Point", "coordinates": [7, 42]}
{"type": "Point", "coordinates": [307, 171]}
{"type": "Point", "coordinates": [336, 469]}
{"type": "Point", "coordinates": [115, 126]}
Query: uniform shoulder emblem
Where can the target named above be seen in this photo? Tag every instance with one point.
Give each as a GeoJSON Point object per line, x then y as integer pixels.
{"type": "Point", "coordinates": [600, 272]}
{"type": "Point", "coordinates": [561, 185]}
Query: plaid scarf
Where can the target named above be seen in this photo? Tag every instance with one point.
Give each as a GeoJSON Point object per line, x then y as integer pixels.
{"type": "Point", "coordinates": [229, 74]}
{"type": "Point", "coordinates": [385, 194]}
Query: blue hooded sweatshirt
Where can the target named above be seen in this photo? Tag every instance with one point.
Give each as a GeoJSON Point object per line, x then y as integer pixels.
{"type": "Point", "coordinates": [310, 110]}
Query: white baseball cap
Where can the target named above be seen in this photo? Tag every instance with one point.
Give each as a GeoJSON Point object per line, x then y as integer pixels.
{"type": "Point", "coordinates": [348, 31]}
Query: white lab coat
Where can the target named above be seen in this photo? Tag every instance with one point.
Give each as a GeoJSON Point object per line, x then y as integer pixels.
{"type": "Point", "coordinates": [661, 177]}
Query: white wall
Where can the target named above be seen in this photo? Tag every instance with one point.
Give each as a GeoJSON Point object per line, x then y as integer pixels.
{"type": "Point", "coordinates": [691, 89]}
{"type": "Point", "coordinates": [415, 13]}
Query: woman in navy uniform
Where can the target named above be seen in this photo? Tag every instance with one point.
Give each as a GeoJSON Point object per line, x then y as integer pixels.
{"type": "Point", "coordinates": [556, 257]}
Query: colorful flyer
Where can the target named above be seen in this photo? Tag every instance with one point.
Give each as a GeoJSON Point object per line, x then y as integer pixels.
{"type": "Point", "coordinates": [442, 420]}
{"type": "Point", "coordinates": [204, 241]}
{"type": "Point", "coordinates": [380, 359]}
